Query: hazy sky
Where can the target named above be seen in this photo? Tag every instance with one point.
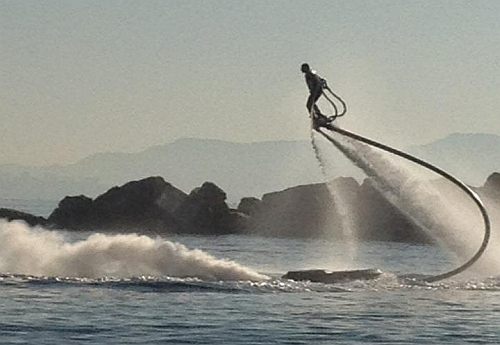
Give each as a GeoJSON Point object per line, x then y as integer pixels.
{"type": "Point", "coordinates": [79, 77]}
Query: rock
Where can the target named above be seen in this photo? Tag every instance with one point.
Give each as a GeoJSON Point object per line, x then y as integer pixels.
{"type": "Point", "coordinates": [303, 211]}
{"type": "Point", "coordinates": [205, 211]}
{"type": "Point", "coordinates": [151, 205]}
{"type": "Point", "coordinates": [308, 211]}
{"type": "Point", "coordinates": [311, 211]}
{"type": "Point", "coordinates": [249, 206]}
{"type": "Point", "coordinates": [147, 205]}
{"type": "Point", "coordinates": [30, 219]}
{"type": "Point", "coordinates": [379, 220]}
{"type": "Point", "coordinates": [73, 212]}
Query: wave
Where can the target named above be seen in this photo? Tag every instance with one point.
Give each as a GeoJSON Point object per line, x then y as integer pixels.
{"type": "Point", "coordinates": [40, 252]}
{"type": "Point", "coordinates": [144, 284]}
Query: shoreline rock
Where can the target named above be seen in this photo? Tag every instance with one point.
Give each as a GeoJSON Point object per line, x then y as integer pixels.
{"type": "Point", "coordinates": [32, 220]}
{"type": "Point", "coordinates": [152, 205]}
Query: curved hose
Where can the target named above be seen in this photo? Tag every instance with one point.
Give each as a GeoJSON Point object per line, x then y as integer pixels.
{"type": "Point", "coordinates": [344, 106]}
{"type": "Point", "coordinates": [457, 182]}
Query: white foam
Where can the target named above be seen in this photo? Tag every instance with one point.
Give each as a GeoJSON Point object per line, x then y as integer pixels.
{"type": "Point", "coordinates": [36, 251]}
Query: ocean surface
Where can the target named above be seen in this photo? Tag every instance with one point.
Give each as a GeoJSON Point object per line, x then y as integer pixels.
{"type": "Point", "coordinates": [37, 207]}
{"type": "Point", "coordinates": [58, 288]}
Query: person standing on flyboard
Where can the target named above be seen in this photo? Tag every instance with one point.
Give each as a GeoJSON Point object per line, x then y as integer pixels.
{"type": "Point", "coordinates": [316, 84]}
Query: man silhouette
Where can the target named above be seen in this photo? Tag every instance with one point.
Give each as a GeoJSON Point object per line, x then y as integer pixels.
{"type": "Point", "coordinates": [315, 84]}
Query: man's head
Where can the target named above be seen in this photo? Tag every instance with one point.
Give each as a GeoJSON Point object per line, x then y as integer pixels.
{"type": "Point", "coordinates": [305, 68]}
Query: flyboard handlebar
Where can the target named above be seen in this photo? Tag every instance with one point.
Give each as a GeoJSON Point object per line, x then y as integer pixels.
{"type": "Point", "coordinates": [332, 102]}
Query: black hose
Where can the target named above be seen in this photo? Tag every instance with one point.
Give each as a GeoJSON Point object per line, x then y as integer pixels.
{"type": "Point", "coordinates": [457, 182]}
{"type": "Point", "coordinates": [344, 106]}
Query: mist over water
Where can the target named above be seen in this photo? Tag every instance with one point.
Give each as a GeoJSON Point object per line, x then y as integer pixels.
{"type": "Point", "coordinates": [35, 251]}
{"type": "Point", "coordinates": [347, 229]}
{"type": "Point", "coordinates": [451, 218]}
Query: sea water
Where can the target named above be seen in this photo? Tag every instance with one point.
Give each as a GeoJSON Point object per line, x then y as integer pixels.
{"type": "Point", "coordinates": [148, 309]}
{"type": "Point", "coordinates": [37, 207]}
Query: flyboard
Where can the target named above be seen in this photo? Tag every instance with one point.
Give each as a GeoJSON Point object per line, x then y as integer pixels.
{"type": "Point", "coordinates": [322, 124]}
{"type": "Point", "coordinates": [322, 276]}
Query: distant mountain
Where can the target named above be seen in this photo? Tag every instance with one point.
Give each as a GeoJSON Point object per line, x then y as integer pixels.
{"type": "Point", "coordinates": [471, 157]}
{"type": "Point", "coordinates": [240, 169]}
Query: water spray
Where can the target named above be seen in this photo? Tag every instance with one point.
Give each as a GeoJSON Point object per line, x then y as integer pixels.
{"type": "Point", "coordinates": [40, 252]}
{"type": "Point", "coordinates": [454, 180]}
{"type": "Point", "coordinates": [347, 228]}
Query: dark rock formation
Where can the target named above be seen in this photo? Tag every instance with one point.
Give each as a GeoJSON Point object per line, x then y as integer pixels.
{"type": "Point", "coordinates": [151, 205]}
{"type": "Point", "coordinates": [205, 211]}
{"type": "Point", "coordinates": [147, 205]}
{"type": "Point", "coordinates": [378, 219]}
{"type": "Point", "coordinates": [249, 206]}
{"type": "Point", "coordinates": [303, 211]}
{"type": "Point", "coordinates": [30, 219]}
{"type": "Point", "coordinates": [73, 212]}
{"type": "Point", "coordinates": [310, 211]}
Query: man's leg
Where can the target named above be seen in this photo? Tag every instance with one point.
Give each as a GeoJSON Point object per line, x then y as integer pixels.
{"type": "Point", "coordinates": [315, 106]}
{"type": "Point", "coordinates": [310, 104]}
